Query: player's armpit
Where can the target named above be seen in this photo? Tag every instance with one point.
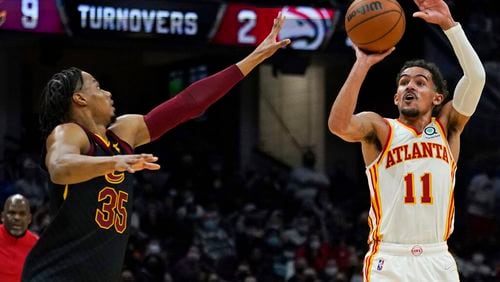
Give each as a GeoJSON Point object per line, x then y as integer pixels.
{"type": "Point", "coordinates": [131, 129]}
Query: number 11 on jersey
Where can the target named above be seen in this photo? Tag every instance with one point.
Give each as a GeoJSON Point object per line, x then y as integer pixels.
{"type": "Point", "coordinates": [426, 189]}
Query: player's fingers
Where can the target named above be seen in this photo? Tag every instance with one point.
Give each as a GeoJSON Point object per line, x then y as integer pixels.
{"type": "Point", "coordinates": [278, 22]}
{"type": "Point", "coordinates": [152, 166]}
{"type": "Point", "coordinates": [422, 15]}
{"type": "Point", "coordinates": [284, 43]}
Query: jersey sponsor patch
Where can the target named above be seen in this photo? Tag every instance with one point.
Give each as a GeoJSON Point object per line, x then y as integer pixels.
{"type": "Point", "coordinates": [431, 132]}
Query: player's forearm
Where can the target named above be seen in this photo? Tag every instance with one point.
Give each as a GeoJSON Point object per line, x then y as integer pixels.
{"type": "Point", "coordinates": [470, 86]}
{"type": "Point", "coordinates": [343, 108]}
{"type": "Point", "coordinates": [191, 102]}
{"type": "Point", "coordinates": [250, 62]}
{"type": "Point", "coordinates": [75, 168]}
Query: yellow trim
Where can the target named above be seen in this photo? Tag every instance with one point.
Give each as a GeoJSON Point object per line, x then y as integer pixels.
{"type": "Point", "coordinates": [387, 144]}
{"type": "Point", "coordinates": [445, 139]}
{"type": "Point", "coordinates": [65, 193]}
{"type": "Point", "coordinates": [105, 141]}
{"type": "Point", "coordinates": [409, 128]}
{"type": "Point", "coordinates": [117, 148]}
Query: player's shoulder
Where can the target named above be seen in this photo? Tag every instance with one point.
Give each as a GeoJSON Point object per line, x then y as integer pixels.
{"type": "Point", "coordinates": [67, 130]}
{"type": "Point", "coordinates": [372, 116]}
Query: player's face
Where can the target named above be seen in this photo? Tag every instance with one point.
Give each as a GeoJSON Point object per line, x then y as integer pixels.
{"type": "Point", "coordinates": [16, 217]}
{"type": "Point", "coordinates": [416, 94]}
{"type": "Point", "coordinates": [98, 100]}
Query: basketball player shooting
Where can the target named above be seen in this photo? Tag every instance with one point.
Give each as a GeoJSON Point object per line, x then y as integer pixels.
{"type": "Point", "coordinates": [411, 161]}
{"type": "Point", "coordinates": [89, 157]}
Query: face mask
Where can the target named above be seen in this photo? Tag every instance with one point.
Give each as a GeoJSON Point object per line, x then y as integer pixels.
{"type": "Point", "coordinates": [315, 244]}
{"type": "Point", "coordinates": [289, 254]}
{"type": "Point", "coordinates": [210, 224]}
{"type": "Point", "coordinates": [273, 241]}
{"type": "Point", "coordinates": [331, 271]}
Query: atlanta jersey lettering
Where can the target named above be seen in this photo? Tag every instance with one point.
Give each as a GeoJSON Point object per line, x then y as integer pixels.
{"type": "Point", "coordinates": [411, 186]}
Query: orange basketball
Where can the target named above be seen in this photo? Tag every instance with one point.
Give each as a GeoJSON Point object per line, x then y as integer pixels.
{"type": "Point", "coordinates": [375, 25]}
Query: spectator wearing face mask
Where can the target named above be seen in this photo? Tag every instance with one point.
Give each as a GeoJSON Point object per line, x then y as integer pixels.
{"type": "Point", "coordinates": [316, 251]}
{"type": "Point", "coordinates": [214, 242]}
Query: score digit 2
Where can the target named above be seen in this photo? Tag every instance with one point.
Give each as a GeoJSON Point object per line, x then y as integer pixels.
{"type": "Point", "coordinates": [248, 19]}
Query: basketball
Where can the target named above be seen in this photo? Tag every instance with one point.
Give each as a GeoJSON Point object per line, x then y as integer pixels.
{"type": "Point", "coordinates": [375, 25]}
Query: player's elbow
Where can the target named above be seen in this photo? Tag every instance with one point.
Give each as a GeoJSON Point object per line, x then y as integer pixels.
{"type": "Point", "coordinates": [337, 127]}
{"type": "Point", "coordinates": [59, 176]}
{"type": "Point", "coordinates": [477, 76]}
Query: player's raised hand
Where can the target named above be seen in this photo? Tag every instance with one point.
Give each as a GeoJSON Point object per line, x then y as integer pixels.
{"type": "Point", "coordinates": [371, 58]}
{"type": "Point", "coordinates": [270, 44]}
{"type": "Point", "coordinates": [434, 11]}
{"type": "Point", "coordinates": [133, 163]}
{"type": "Point", "coordinates": [266, 48]}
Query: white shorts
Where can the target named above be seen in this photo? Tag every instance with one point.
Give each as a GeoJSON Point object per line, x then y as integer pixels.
{"type": "Point", "coordinates": [409, 263]}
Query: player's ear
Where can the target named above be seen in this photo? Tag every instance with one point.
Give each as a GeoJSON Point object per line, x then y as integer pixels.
{"type": "Point", "coordinates": [79, 99]}
{"type": "Point", "coordinates": [438, 99]}
{"type": "Point", "coordinates": [396, 100]}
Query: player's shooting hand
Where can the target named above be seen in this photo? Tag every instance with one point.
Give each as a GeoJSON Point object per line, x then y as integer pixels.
{"type": "Point", "coordinates": [270, 45]}
{"type": "Point", "coordinates": [371, 59]}
{"type": "Point", "coordinates": [133, 163]}
{"type": "Point", "coordinates": [434, 11]}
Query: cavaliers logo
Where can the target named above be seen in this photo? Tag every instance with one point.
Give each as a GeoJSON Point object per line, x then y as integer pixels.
{"type": "Point", "coordinates": [307, 27]}
{"type": "Point", "coordinates": [115, 177]}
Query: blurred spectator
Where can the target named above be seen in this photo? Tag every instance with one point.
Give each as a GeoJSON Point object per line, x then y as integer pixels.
{"type": "Point", "coordinates": [304, 181]}
{"type": "Point", "coordinates": [329, 271]}
{"type": "Point", "coordinates": [32, 184]}
{"type": "Point", "coordinates": [481, 205]}
{"type": "Point", "coordinates": [189, 268]}
{"type": "Point", "coordinates": [214, 242]}
{"type": "Point", "coordinates": [316, 251]}
{"type": "Point", "coordinates": [16, 240]}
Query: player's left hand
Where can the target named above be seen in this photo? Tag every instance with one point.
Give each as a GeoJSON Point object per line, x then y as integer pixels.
{"type": "Point", "coordinates": [436, 12]}
{"type": "Point", "coordinates": [270, 45]}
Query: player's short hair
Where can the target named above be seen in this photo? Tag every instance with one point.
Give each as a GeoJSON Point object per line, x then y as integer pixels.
{"type": "Point", "coordinates": [56, 98]}
{"type": "Point", "coordinates": [437, 77]}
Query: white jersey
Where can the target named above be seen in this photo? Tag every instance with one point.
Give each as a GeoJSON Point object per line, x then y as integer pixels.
{"type": "Point", "coordinates": [411, 186]}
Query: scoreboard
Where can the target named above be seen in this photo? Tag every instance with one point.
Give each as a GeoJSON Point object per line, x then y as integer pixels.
{"type": "Point", "coordinates": [30, 15]}
{"type": "Point", "coordinates": [212, 22]}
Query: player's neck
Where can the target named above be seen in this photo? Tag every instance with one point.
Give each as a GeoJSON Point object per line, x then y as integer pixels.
{"type": "Point", "coordinates": [86, 120]}
{"type": "Point", "coordinates": [419, 122]}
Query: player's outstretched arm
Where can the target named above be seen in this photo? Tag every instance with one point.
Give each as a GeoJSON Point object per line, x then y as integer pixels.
{"type": "Point", "coordinates": [137, 130]}
{"type": "Point", "coordinates": [342, 121]}
{"type": "Point", "coordinates": [470, 86]}
{"type": "Point", "coordinates": [67, 164]}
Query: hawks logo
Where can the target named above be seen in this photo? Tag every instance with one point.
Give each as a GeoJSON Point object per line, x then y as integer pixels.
{"type": "Point", "coordinates": [3, 17]}
{"type": "Point", "coordinates": [307, 27]}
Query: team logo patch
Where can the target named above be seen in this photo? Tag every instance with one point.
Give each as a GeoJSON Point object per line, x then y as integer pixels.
{"type": "Point", "coordinates": [380, 264]}
{"type": "Point", "coordinates": [416, 250]}
{"type": "Point", "coordinates": [431, 132]}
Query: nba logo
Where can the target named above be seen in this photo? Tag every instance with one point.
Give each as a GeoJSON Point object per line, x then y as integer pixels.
{"type": "Point", "coordinates": [380, 264]}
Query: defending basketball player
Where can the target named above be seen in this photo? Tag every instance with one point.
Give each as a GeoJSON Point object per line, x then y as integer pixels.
{"type": "Point", "coordinates": [411, 161]}
{"type": "Point", "coordinates": [89, 157]}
